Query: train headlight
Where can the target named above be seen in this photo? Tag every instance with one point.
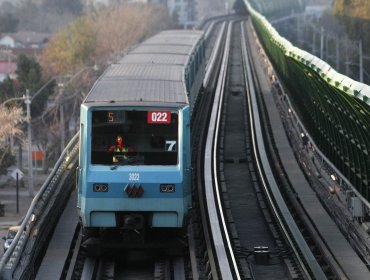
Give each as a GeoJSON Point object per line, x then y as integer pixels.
{"type": "Point", "coordinates": [100, 187]}
{"type": "Point", "coordinates": [167, 188]}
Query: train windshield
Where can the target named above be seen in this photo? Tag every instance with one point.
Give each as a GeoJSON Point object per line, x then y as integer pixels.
{"type": "Point", "coordinates": [131, 137]}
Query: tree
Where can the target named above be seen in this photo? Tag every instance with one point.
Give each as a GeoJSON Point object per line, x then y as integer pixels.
{"type": "Point", "coordinates": [47, 15]}
{"type": "Point", "coordinates": [69, 49]}
{"type": "Point", "coordinates": [30, 17]}
{"type": "Point", "coordinates": [102, 36]}
{"type": "Point", "coordinates": [8, 23]}
{"type": "Point", "coordinates": [63, 6]}
{"type": "Point", "coordinates": [10, 118]}
{"type": "Point", "coordinates": [29, 77]}
{"type": "Point", "coordinates": [10, 121]}
{"type": "Point", "coordinates": [7, 89]}
{"type": "Point", "coordinates": [7, 159]}
{"type": "Point", "coordinates": [352, 8]}
{"type": "Point", "coordinates": [8, 7]}
{"type": "Point", "coordinates": [8, 20]}
{"type": "Point", "coordinates": [28, 73]}
{"type": "Point", "coordinates": [121, 27]}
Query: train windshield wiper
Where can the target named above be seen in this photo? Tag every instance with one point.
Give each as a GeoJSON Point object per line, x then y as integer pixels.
{"type": "Point", "coordinates": [131, 160]}
{"type": "Point", "coordinates": [114, 167]}
{"type": "Point", "coordinates": [134, 160]}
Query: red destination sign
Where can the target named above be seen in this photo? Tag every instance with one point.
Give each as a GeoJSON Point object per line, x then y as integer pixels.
{"type": "Point", "coordinates": [159, 117]}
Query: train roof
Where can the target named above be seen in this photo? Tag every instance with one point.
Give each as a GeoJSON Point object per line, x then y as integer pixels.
{"type": "Point", "coordinates": [159, 58]}
{"type": "Point", "coordinates": [180, 42]}
{"type": "Point", "coordinates": [169, 49]}
{"type": "Point", "coordinates": [138, 91]}
{"type": "Point", "coordinates": [140, 82]}
{"type": "Point", "coordinates": [152, 72]}
{"type": "Point", "coordinates": [166, 37]}
{"type": "Point", "coordinates": [136, 71]}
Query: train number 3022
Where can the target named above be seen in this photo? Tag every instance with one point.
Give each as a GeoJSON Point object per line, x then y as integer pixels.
{"type": "Point", "coordinates": [134, 176]}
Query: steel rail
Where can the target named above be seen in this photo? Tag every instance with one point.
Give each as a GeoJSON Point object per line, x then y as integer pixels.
{"type": "Point", "coordinates": [227, 270]}
{"type": "Point", "coordinates": [208, 264]}
{"type": "Point", "coordinates": [209, 30]}
{"type": "Point", "coordinates": [264, 169]}
{"type": "Point", "coordinates": [213, 58]}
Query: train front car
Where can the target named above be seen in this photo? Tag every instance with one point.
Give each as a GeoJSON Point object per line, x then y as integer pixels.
{"type": "Point", "coordinates": [135, 166]}
{"type": "Point", "coordinates": [138, 167]}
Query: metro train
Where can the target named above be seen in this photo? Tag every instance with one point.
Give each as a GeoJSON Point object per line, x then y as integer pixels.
{"type": "Point", "coordinates": [134, 168]}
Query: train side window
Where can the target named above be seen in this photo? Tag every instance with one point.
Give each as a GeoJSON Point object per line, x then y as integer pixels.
{"type": "Point", "coordinates": [187, 78]}
{"type": "Point", "coordinates": [198, 56]}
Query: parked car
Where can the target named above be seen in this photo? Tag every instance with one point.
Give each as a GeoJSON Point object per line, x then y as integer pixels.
{"type": "Point", "coordinates": [10, 235]}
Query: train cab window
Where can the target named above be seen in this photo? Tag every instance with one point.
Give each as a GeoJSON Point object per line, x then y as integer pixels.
{"type": "Point", "coordinates": [132, 137]}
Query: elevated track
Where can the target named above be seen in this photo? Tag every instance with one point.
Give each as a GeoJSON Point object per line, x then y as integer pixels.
{"type": "Point", "coordinates": [246, 200]}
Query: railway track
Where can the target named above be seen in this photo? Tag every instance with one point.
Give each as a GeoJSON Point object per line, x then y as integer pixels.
{"type": "Point", "coordinates": [124, 263]}
{"type": "Point", "coordinates": [224, 263]}
{"type": "Point", "coordinates": [249, 219]}
{"type": "Point", "coordinates": [244, 214]}
{"type": "Point", "coordinates": [127, 267]}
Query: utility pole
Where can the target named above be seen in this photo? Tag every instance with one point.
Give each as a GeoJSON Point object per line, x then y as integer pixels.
{"type": "Point", "coordinates": [322, 43]}
{"type": "Point", "coordinates": [361, 62]}
{"type": "Point", "coordinates": [299, 31]}
{"type": "Point", "coordinates": [62, 122]}
{"type": "Point", "coordinates": [313, 41]}
{"type": "Point", "coordinates": [347, 59]}
{"type": "Point", "coordinates": [30, 169]}
{"type": "Point", "coordinates": [337, 58]}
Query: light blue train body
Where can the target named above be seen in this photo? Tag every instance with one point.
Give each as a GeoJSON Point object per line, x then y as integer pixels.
{"type": "Point", "coordinates": [135, 164]}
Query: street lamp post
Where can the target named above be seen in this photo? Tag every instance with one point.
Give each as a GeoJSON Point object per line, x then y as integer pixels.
{"type": "Point", "coordinates": [29, 140]}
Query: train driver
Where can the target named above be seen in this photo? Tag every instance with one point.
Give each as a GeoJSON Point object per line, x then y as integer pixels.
{"type": "Point", "coordinates": [119, 147]}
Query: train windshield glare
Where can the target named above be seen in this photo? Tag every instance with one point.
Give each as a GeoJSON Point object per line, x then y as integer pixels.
{"type": "Point", "coordinates": [131, 137]}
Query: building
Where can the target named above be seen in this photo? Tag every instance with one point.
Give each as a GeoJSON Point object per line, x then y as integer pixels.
{"type": "Point", "coordinates": [14, 44]}
{"type": "Point", "coordinates": [24, 39]}
{"type": "Point", "coordinates": [8, 65]}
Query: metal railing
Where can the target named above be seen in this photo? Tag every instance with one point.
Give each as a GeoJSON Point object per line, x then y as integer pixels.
{"type": "Point", "coordinates": [18, 261]}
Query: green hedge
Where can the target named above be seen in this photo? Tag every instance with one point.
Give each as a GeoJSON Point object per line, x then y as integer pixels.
{"type": "Point", "coordinates": [334, 109]}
